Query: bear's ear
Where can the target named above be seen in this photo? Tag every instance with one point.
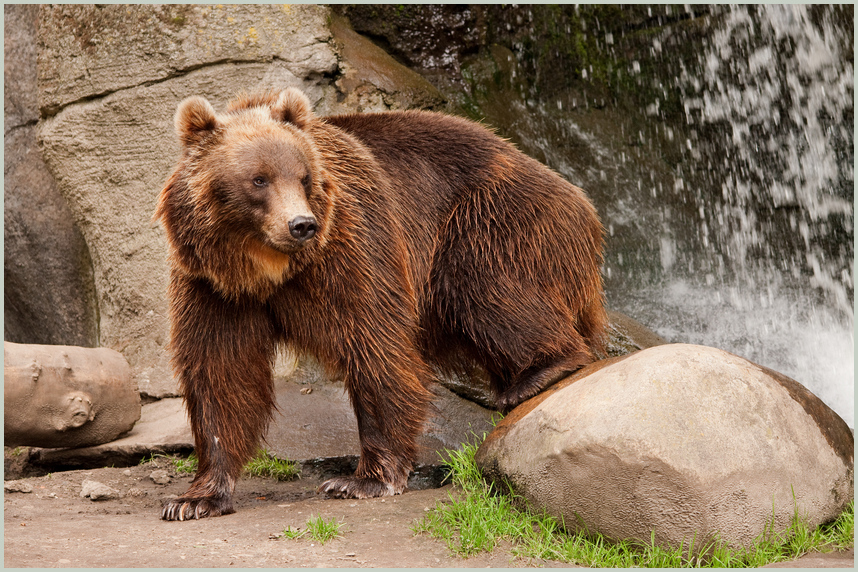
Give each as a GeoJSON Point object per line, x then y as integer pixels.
{"type": "Point", "coordinates": [292, 106]}
{"type": "Point", "coordinates": [194, 118]}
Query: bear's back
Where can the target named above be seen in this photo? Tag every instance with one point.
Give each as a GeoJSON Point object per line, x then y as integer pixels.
{"type": "Point", "coordinates": [432, 163]}
{"type": "Point", "coordinates": [452, 154]}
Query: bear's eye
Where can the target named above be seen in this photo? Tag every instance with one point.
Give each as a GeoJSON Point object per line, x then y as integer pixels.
{"type": "Point", "coordinates": [260, 181]}
{"type": "Point", "coordinates": [305, 181]}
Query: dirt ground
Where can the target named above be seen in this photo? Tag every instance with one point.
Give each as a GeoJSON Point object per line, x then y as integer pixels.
{"type": "Point", "coordinates": [54, 527]}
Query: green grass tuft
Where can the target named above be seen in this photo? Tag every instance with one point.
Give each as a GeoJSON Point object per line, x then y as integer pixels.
{"type": "Point", "coordinates": [318, 529]}
{"type": "Point", "coordinates": [188, 465]}
{"type": "Point", "coordinates": [264, 464]}
{"type": "Point", "coordinates": [293, 534]}
{"type": "Point", "coordinates": [180, 464]}
{"type": "Point", "coordinates": [267, 465]}
{"type": "Point", "coordinates": [476, 519]}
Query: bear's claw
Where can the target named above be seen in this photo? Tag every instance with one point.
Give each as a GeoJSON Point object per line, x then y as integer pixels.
{"type": "Point", "coordinates": [191, 508]}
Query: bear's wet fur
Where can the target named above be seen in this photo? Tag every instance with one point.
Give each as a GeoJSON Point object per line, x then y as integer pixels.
{"type": "Point", "coordinates": [385, 244]}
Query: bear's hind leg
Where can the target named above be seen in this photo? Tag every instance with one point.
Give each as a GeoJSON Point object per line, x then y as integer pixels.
{"type": "Point", "coordinates": [536, 379]}
{"type": "Point", "coordinates": [382, 470]}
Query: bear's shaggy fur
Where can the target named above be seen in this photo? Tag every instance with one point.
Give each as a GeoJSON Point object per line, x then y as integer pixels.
{"type": "Point", "coordinates": [384, 244]}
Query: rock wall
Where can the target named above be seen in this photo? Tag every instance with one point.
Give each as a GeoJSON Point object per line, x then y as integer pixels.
{"type": "Point", "coordinates": [49, 295]}
{"type": "Point", "coordinates": [109, 80]}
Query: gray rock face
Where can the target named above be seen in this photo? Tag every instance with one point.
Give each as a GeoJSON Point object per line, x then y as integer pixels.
{"type": "Point", "coordinates": [96, 50]}
{"type": "Point", "coordinates": [686, 441]}
{"type": "Point", "coordinates": [47, 274]}
{"type": "Point", "coordinates": [373, 80]}
{"type": "Point", "coordinates": [19, 66]}
{"type": "Point", "coordinates": [109, 80]}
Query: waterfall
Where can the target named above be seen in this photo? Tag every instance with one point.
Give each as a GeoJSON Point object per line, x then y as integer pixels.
{"type": "Point", "coordinates": [771, 183]}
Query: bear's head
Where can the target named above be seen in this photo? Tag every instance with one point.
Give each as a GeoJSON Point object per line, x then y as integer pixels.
{"type": "Point", "coordinates": [247, 206]}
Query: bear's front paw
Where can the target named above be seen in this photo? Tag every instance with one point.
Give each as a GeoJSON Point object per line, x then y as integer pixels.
{"type": "Point", "coordinates": [359, 488]}
{"type": "Point", "coordinates": [184, 508]}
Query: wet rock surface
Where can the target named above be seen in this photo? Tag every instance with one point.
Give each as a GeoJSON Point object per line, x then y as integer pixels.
{"type": "Point", "coordinates": [373, 81]}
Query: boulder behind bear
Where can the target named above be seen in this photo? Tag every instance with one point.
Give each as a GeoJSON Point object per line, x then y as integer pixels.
{"type": "Point", "coordinates": [384, 244]}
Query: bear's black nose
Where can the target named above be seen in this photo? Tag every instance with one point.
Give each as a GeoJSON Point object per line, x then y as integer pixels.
{"type": "Point", "coordinates": [302, 228]}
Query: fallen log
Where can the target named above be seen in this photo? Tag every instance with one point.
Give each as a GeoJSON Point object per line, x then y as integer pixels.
{"type": "Point", "coordinates": [66, 396]}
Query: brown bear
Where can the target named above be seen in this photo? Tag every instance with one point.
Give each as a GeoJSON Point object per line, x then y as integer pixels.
{"type": "Point", "coordinates": [388, 245]}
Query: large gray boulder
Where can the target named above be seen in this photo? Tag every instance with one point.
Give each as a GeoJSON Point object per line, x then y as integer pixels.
{"type": "Point", "coordinates": [684, 441]}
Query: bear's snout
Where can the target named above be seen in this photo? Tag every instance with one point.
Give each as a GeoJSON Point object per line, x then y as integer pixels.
{"type": "Point", "coordinates": [303, 228]}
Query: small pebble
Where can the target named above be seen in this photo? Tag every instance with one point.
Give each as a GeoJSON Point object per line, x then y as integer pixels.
{"type": "Point", "coordinates": [97, 491]}
{"type": "Point", "coordinates": [17, 487]}
{"type": "Point", "coordinates": [160, 477]}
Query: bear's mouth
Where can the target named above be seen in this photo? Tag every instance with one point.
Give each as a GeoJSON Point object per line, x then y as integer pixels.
{"type": "Point", "coordinates": [286, 247]}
